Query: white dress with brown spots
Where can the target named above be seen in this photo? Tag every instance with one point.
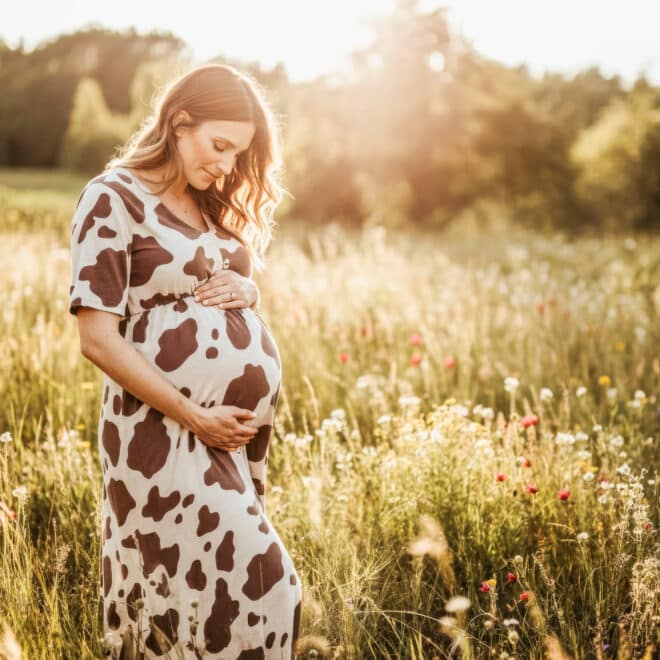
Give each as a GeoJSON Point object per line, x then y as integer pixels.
{"type": "Point", "coordinates": [182, 522]}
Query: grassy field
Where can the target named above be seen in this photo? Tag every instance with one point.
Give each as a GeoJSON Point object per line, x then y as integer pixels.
{"type": "Point", "coordinates": [465, 454]}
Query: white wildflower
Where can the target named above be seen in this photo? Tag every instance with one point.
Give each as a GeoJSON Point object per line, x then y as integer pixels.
{"type": "Point", "coordinates": [338, 414]}
{"type": "Point", "coordinates": [617, 441]}
{"type": "Point", "coordinates": [580, 391]}
{"type": "Point", "coordinates": [582, 536]}
{"type": "Point", "coordinates": [20, 492]}
{"type": "Point", "coordinates": [546, 394]}
{"type": "Point", "coordinates": [565, 438]}
{"type": "Point", "coordinates": [511, 384]}
{"type": "Point", "coordinates": [457, 604]}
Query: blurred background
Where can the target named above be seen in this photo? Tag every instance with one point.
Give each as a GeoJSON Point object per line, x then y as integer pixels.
{"type": "Point", "coordinates": [544, 115]}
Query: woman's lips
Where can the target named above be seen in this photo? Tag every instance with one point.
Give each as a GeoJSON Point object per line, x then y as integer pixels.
{"type": "Point", "coordinates": [211, 176]}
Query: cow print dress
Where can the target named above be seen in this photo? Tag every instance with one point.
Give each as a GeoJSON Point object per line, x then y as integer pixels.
{"type": "Point", "coordinates": [191, 565]}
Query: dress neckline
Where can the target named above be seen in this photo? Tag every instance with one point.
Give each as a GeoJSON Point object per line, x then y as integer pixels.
{"type": "Point", "coordinates": [141, 186]}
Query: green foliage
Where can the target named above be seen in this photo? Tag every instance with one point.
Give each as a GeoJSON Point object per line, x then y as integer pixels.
{"type": "Point", "coordinates": [619, 157]}
{"type": "Point", "coordinates": [420, 130]}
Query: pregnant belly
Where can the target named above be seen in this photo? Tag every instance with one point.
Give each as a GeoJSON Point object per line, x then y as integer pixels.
{"type": "Point", "coordinates": [213, 356]}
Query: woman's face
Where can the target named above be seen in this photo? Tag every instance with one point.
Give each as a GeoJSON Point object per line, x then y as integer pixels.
{"type": "Point", "coordinates": [209, 151]}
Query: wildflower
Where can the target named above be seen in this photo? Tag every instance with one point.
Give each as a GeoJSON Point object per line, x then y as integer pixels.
{"type": "Point", "coordinates": [511, 384]}
{"type": "Point", "coordinates": [511, 577]}
{"type": "Point", "coordinates": [338, 413]}
{"type": "Point", "coordinates": [540, 308]}
{"type": "Point", "coordinates": [529, 420]}
{"type": "Point", "coordinates": [487, 413]}
{"type": "Point", "coordinates": [510, 622]}
{"type": "Point", "coordinates": [416, 339]}
{"type": "Point", "coordinates": [563, 494]}
{"type": "Point", "coordinates": [524, 596]}
{"type": "Point", "coordinates": [546, 394]}
{"type": "Point", "coordinates": [500, 476]}
{"type": "Point", "coordinates": [531, 489]}
{"type": "Point", "coordinates": [617, 441]}
{"type": "Point", "coordinates": [580, 391]}
{"type": "Point", "coordinates": [415, 358]}
{"type": "Point", "coordinates": [343, 356]}
{"type": "Point", "coordinates": [582, 536]}
{"type": "Point", "coordinates": [647, 526]}
{"type": "Point", "coordinates": [450, 362]}
{"type": "Point", "coordinates": [640, 395]}
{"type": "Point", "coordinates": [6, 437]}
{"type": "Point", "coordinates": [524, 461]}
{"type": "Point", "coordinates": [20, 492]}
{"type": "Point", "coordinates": [409, 401]}
{"type": "Point", "coordinates": [619, 346]}
{"type": "Point", "coordinates": [604, 380]}
{"type": "Point", "coordinates": [565, 438]}
{"type": "Point", "coordinates": [457, 604]}
{"type": "Point", "coordinates": [488, 585]}
{"type": "Point", "coordinates": [384, 419]}
{"type": "Point", "coordinates": [611, 393]}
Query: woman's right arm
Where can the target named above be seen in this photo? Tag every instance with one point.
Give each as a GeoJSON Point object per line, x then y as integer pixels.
{"type": "Point", "coordinates": [102, 344]}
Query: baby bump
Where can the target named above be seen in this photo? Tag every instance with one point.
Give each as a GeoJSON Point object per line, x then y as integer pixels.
{"type": "Point", "coordinates": [213, 356]}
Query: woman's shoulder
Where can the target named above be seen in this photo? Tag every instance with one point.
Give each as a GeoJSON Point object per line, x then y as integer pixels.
{"type": "Point", "coordinates": [117, 185]}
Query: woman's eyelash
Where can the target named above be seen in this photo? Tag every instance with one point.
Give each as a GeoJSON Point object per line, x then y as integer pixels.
{"type": "Point", "coordinates": [217, 148]}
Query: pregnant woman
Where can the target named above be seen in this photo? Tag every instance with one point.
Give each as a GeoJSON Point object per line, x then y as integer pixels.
{"type": "Point", "coordinates": [162, 248]}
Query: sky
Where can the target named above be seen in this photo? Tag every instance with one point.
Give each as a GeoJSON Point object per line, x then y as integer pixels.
{"type": "Point", "coordinates": [313, 37]}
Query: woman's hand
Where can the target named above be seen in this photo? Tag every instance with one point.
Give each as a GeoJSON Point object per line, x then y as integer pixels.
{"type": "Point", "coordinates": [215, 291]}
{"type": "Point", "coordinates": [219, 426]}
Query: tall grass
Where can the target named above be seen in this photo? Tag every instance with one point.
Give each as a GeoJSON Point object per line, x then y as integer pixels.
{"type": "Point", "coordinates": [464, 457]}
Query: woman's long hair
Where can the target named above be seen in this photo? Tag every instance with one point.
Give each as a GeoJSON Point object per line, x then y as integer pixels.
{"type": "Point", "coordinates": [244, 202]}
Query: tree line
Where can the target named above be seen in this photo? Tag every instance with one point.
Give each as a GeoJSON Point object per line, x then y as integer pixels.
{"type": "Point", "coordinates": [422, 130]}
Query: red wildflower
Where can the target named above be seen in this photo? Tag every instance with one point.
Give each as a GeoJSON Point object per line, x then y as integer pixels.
{"type": "Point", "coordinates": [450, 362]}
{"type": "Point", "coordinates": [343, 356]}
{"type": "Point", "coordinates": [511, 577]}
{"type": "Point", "coordinates": [416, 339]}
{"type": "Point", "coordinates": [563, 494]}
{"type": "Point", "coordinates": [500, 476]}
{"type": "Point", "coordinates": [484, 587]}
{"type": "Point", "coordinates": [529, 420]}
{"type": "Point", "coordinates": [532, 489]}
{"type": "Point", "coordinates": [524, 595]}
{"type": "Point", "coordinates": [415, 358]}
{"type": "Point", "coordinates": [525, 462]}
{"type": "Point", "coordinates": [540, 308]}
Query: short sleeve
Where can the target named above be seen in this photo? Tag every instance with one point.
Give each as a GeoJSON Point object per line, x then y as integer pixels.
{"type": "Point", "coordinates": [101, 234]}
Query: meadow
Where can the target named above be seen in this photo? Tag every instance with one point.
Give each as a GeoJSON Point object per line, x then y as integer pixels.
{"type": "Point", "coordinates": [464, 458]}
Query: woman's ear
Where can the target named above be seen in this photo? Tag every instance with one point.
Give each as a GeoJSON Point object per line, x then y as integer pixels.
{"type": "Point", "coordinates": [181, 117]}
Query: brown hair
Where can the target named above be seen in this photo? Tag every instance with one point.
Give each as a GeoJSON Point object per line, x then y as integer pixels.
{"type": "Point", "coordinates": [245, 201]}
